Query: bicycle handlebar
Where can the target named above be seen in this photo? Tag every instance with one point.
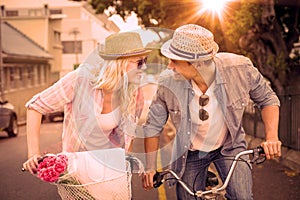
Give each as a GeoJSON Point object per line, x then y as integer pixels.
{"type": "Point", "coordinates": [158, 178]}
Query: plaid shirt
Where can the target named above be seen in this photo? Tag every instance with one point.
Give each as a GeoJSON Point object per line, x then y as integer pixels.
{"type": "Point", "coordinates": [82, 103]}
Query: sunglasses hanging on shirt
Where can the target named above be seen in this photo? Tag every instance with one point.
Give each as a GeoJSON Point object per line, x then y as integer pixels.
{"type": "Point", "coordinates": [203, 101]}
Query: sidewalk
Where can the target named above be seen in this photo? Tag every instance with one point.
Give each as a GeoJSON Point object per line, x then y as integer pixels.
{"type": "Point", "coordinates": [289, 158]}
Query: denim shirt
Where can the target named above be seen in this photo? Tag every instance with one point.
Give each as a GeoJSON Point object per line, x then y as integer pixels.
{"type": "Point", "coordinates": [237, 81]}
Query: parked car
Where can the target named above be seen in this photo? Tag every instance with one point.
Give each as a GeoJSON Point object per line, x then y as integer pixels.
{"type": "Point", "coordinates": [8, 119]}
{"type": "Point", "coordinates": [53, 117]}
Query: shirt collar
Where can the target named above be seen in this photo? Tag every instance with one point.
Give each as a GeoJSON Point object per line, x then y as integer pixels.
{"type": "Point", "coordinates": [219, 70]}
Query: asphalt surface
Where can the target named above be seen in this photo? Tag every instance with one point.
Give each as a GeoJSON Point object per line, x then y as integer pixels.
{"type": "Point", "coordinates": [272, 180]}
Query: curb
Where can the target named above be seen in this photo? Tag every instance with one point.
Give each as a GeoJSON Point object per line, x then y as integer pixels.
{"type": "Point", "coordinates": [289, 158]}
{"type": "Point", "coordinates": [21, 123]}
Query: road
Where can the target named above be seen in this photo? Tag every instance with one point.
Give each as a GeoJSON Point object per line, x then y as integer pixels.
{"type": "Point", "coordinates": [271, 179]}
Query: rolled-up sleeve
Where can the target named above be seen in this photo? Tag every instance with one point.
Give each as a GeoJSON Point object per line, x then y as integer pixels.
{"type": "Point", "coordinates": [261, 91]}
{"type": "Point", "coordinates": [56, 96]}
{"type": "Point", "coordinates": [157, 116]}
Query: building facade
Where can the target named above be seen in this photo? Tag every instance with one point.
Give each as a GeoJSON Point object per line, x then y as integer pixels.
{"type": "Point", "coordinates": [82, 31]}
{"type": "Point", "coordinates": [42, 24]}
{"type": "Point", "coordinates": [25, 68]}
{"type": "Point", "coordinates": [66, 31]}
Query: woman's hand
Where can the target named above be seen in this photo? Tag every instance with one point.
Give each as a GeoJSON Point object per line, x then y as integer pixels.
{"type": "Point", "coordinates": [31, 164]}
{"type": "Point", "coordinates": [148, 179]}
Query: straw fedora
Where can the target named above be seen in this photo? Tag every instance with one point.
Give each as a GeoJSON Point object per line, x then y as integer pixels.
{"type": "Point", "coordinates": [125, 44]}
{"type": "Point", "coordinates": [191, 43]}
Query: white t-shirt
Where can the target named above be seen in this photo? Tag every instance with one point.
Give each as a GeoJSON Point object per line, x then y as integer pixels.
{"type": "Point", "coordinates": [210, 134]}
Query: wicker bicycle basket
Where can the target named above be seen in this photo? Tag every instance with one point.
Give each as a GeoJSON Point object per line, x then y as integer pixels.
{"type": "Point", "coordinates": [117, 189]}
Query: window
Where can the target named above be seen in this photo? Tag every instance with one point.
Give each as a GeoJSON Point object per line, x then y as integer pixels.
{"type": "Point", "coordinates": [42, 75]}
{"type": "Point", "coordinates": [55, 11]}
{"type": "Point", "coordinates": [12, 13]}
{"type": "Point", "coordinates": [6, 79]}
{"type": "Point", "coordinates": [21, 77]}
{"type": "Point", "coordinates": [30, 76]}
{"type": "Point", "coordinates": [57, 38]}
{"type": "Point", "coordinates": [72, 47]}
{"type": "Point", "coordinates": [13, 78]}
{"type": "Point", "coordinates": [35, 12]}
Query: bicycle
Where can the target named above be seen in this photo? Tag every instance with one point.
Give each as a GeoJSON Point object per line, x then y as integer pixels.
{"type": "Point", "coordinates": [85, 185]}
{"type": "Point", "coordinates": [216, 191]}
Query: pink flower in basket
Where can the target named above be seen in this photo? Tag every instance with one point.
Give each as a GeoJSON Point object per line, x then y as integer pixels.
{"type": "Point", "coordinates": [51, 167]}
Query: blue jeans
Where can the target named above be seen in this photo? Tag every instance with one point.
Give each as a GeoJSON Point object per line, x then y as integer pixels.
{"type": "Point", "coordinates": [240, 184]}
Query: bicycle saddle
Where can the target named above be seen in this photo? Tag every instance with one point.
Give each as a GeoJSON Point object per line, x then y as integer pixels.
{"type": "Point", "coordinates": [211, 179]}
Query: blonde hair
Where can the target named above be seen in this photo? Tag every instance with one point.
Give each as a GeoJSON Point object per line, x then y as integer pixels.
{"type": "Point", "coordinates": [110, 74]}
{"type": "Point", "coordinates": [113, 76]}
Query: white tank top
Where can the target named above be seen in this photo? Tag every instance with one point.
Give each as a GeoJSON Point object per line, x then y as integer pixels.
{"type": "Point", "coordinates": [210, 134]}
{"type": "Point", "coordinates": [108, 121]}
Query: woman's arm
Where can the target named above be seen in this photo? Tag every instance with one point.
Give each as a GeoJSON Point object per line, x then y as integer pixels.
{"type": "Point", "coordinates": [33, 125]}
{"type": "Point", "coordinates": [151, 148]}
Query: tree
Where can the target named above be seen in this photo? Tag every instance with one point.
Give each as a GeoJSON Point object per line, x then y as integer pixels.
{"type": "Point", "coordinates": [158, 13]}
{"type": "Point", "coordinates": [267, 37]}
{"type": "Point", "coordinates": [264, 30]}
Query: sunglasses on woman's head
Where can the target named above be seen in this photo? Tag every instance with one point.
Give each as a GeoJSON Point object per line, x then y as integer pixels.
{"type": "Point", "coordinates": [203, 101]}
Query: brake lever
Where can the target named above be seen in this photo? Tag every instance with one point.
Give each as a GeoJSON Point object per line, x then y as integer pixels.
{"type": "Point", "coordinates": [158, 179]}
{"type": "Point", "coordinates": [257, 158]}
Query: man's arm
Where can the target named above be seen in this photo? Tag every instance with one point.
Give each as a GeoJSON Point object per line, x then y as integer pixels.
{"type": "Point", "coordinates": [272, 145]}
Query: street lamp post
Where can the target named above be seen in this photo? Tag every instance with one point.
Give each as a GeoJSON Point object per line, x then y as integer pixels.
{"type": "Point", "coordinates": [75, 32]}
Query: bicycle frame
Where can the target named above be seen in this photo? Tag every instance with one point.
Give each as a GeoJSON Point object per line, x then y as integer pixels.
{"type": "Point", "coordinates": [215, 190]}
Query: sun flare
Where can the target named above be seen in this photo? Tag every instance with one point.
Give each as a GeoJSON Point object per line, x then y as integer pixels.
{"type": "Point", "coordinates": [213, 6]}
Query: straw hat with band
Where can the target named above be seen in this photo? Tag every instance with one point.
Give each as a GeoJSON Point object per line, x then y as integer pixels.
{"type": "Point", "coordinates": [122, 45]}
{"type": "Point", "coordinates": [190, 43]}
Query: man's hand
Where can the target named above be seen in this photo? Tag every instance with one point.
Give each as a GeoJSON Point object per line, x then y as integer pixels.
{"type": "Point", "coordinates": [272, 145]}
{"type": "Point", "coordinates": [272, 148]}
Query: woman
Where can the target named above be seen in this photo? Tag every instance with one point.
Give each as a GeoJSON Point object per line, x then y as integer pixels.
{"type": "Point", "coordinates": [101, 100]}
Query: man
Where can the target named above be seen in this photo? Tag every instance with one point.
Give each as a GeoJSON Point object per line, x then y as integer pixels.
{"type": "Point", "coordinates": [205, 94]}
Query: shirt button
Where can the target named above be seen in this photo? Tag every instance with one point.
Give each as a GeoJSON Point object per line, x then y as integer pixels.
{"type": "Point", "coordinates": [189, 119]}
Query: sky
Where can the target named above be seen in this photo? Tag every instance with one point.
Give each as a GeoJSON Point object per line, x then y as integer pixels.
{"type": "Point", "coordinates": [130, 24]}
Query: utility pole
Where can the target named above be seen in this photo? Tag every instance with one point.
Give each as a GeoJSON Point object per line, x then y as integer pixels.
{"type": "Point", "coordinates": [1, 57]}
